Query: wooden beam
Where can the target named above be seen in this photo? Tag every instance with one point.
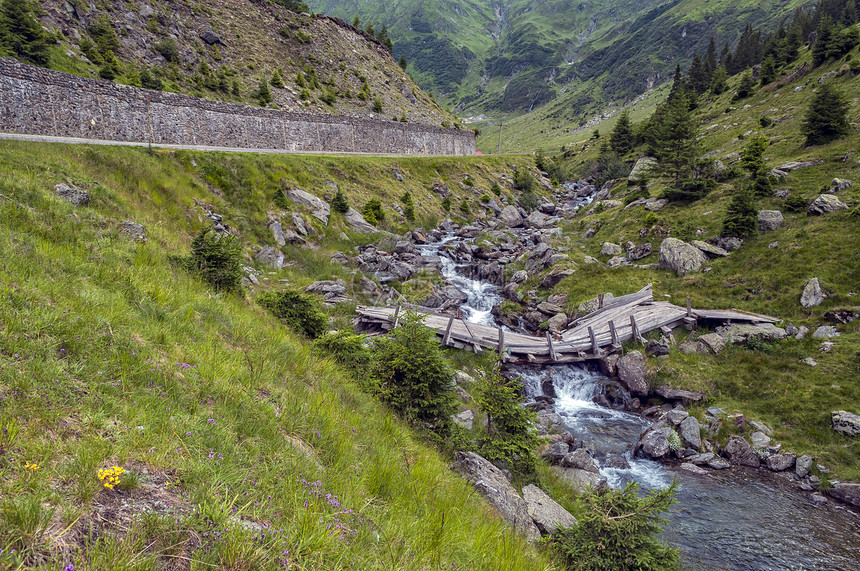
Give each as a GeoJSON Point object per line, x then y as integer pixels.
{"type": "Point", "coordinates": [552, 353]}
{"type": "Point", "coordinates": [635, 328]}
{"type": "Point", "coordinates": [396, 315]}
{"type": "Point", "coordinates": [447, 335]}
{"type": "Point", "coordinates": [595, 348]}
{"type": "Point", "coordinates": [613, 333]}
{"type": "Point", "coordinates": [600, 301]}
{"type": "Point", "coordinates": [689, 308]}
{"type": "Point", "coordinates": [501, 341]}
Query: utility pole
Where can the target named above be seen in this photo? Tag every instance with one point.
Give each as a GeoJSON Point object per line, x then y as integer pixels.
{"type": "Point", "coordinates": [499, 148]}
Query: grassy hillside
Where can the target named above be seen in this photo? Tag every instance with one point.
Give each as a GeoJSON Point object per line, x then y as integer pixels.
{"type": "Point", "coordinates": [242, 448]}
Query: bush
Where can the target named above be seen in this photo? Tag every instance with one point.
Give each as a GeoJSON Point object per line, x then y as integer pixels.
{"type": "Point", "coordinates": [217, 258]}
{"type": "Point", "coordinates": [21, 33]}
{"type": "Point", "coordinates": [264, 94]}
{"type": "Point", "coordinates": [511, 436]}
{"type": "Point", "coordinates": [617, 531]}
{"type": "Point", "coordinates": [409, 372]}
{"type": "Point", "coordinates": [464, 207]}
{"type": "Point", "coordinates": [300, 311]}
{"type": "Point", "coordinates": [377, 105]}
{"type": "Point", "coordinates": [277, 80]}
{"type": "Point", "coordinates": [346, 348]}
{"type": "Point", "coordinates": [446, 204]}
{"type": "Point", "coordinates": [529, 201]}
{"type": "Point", "coordinates": [524, 181]}
{"type": "Point", "coordinates": [485, 198]}
{"type": "Point", "coordinates": [408, 206]}
{"type": "Point", "coordinates": [690, 189]}
{"type": "Point", "coordinates": [339, 202]}
{"type": "Point", "coordinates": [762, 187]}
{"type": "Point", "coordinates": [150, 81]}
{"type": "Point", "coordinates": [795, 202]}
{"type": "Point", "coordinates": [329, 97]}
{"type": "Point", "coordinates": [496, 189]}
{"type": "Point", "coordinates": [827, 116]}
{"type": "Point", "coordinates": [168, 49]}
{"type": "Point", "coordinates": [373, 212]}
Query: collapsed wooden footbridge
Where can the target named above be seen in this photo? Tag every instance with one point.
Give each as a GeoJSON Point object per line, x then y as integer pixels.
{"type": "Point", "coordinates": [590, 337]}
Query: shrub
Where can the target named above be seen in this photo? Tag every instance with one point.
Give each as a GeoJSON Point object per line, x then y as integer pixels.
{"type": "Point", "coordinates": [21, 32]}
{"type": "Point", "coordinates": [408, 206]}
{"type": "Point", "coordinates": [464, 207]}
{"type": "Point", "coordinates": [409, 372]}
{"type": "Point", "coordinates": [496, 189]}
{"type": "Point", "coordinates": [150, 81]}
{"type": "Point", "coordinates": [616, 531]}
{"type": "Point", "coordinates": [168, 49]}
{"type": "Point", "coordinates": [277, 80]}
{"type": "Point", "coordinates": [373, 212]}
{"type": "Point", "coordinates": [795, 202]}
{"type": "Point", "coordinates": [468, 181]}
{"type": "Point", "coordinates": [329, 97]}
{"type": "Point", "coordinates": [529, 201]}
{"type": "Point", "coordinates": [827, 116]}
{"type": "Point", "coordinates": [346, 348]}
{"type": "Point", "coordinates": [524, 181]}
{"type": "Point", "coordinates": [485, 198]}
{"type": "Point", "coordinates": [511, 436]}
{"type": "Point", "coordinates": [217, 258]}
{"type": "Point", "coordinates": [339, 203]}
{"type": "Point", "coordinates": [300, 311]}
{"type": "Point", "coordinates": [762, 187]}
{"type": "Point", "coordinates": [264, 95]}
{"type": "Point", "coordinates": [446, 204]}
{"type": "Point", "coordinates": [377, 105]}
{"type": "Point", "coordinates": [690, 189]}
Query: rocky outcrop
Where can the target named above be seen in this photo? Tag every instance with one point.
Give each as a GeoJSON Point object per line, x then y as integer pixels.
{"type": "Point", "coordinates": [580, 480]}
{"type": "Point", "coordinates": [825, 204]}
{"type": "Point", "coordinates": [846, 492]}
{"type": "Point", "coordinates": [492, 484]}
{"type": "Point", "coordinates": [633, 372]}
{"type": "Point", "coordinates": [845, 422]}
{"type": "Point", "coordinates": [680, 257]}
{"type": "Point", "coordinates": [132, 231]}
{"type": "Point", "coordinates": [739, 451]}
{"type": "Point", "coordinates": [769, 220]}
{"type": "Point", "coordinates": [642, 170]}
{"type": "Point", "coordinates": [738, 334]}
{"type": "Point", "coordinates": [319, 208]}
{"type": "Point", "coordinates": [511, 217]}
{"type": "Point", "coordinates": [654, 442]}
{"type": "Point", "coordinates": [546, 513]}
{"type": "Point", "coordinates": [73, 196]}
{"type": "Point", "coordinates": [270, 256]}
{"type": "Point", "coordinates": [812, 294]}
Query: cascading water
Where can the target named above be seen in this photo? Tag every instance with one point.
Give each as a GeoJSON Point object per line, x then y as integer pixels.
{"type": "Point", "coordinates": [733, 519]}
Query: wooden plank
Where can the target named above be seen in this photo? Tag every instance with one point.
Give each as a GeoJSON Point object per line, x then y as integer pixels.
{"type": "Point", "coordinates": [635, 328]}
{"type": "Point", "coordinates": [689, 308]}
{"type": "Point", "coordinates": [613, 333]}
{"type": "Point", "coordinates": [553, 355]}
{"type": "Point", "coordinates": [501, 341]}
{"type": "Point", "coordinates": [595, 348]}
{"type": "Point", "coordinates": [397, 315]}
{"type": "Point", "coordinates": [447, 336]}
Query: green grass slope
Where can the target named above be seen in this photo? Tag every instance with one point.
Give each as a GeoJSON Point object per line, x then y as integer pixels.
{"type": "Point", "coordinates": [243, 449]}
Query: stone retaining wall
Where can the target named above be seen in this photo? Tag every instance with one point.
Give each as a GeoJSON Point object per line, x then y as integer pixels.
{"type": "Point", "coordinates": [36, 101]}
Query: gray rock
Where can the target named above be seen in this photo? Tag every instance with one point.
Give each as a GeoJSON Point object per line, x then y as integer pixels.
{"type": "Point", "coordinates": [825, 332]}
{"type": "Point", "coordinates": [669, 393]}
{"type": "Point", "coordinates": [617, 261]}
{"type": "Point", "coordinates": [358, 223]}
{"type": "Point", "coordinates": [555, 452]}
{"type": "Point", "coordinates": [610, 249]}
{"type": "Point", "coordinates": [769, 220]}
{"type": "Point", "coordinates": [642, 170]}
{"type": "Point", "coordinates": [551, 280]}
{"type": "Point", "coordinates": [270, 256]}
{"type": "Point", "coordinates": [466, 419]}
{"type": "Point", "coordinates": [492, 484]}
{"type": "Point", "coordinates": [846, 492]}
{"type": "Point", "coordinates": [655, 443]}
{"type": "Point", "coordinates": [638, 252]}
{"type": "Point", "coordinates": [740, 452]}
{"type": "Point", "coordinates": [633, 373]}
{"type": "Point", "coordinates": [812, 294]}
{"type": "Point", "coordinates": [739, 333]}
{"type": "Point", "coordinates": [579, 480]}
{"type": "Point", "coordinates": [211, 38]}
{"type": "Point", "coordinates": [581, 460]}
{"type": "Point", "coordinates": [325, 287]}
{"type": "Point", "coordinates": [718, 464]}
{"type": "Point", "coordinates": [794, 165]}
{"type": "Point", "coordinates": [549, 308]}
{"type": "Point", "coordinates": [780, 462]}
{"type": "Point", "coordinates": [802, 466]}
{"type": "Point", "coordinates": [839, 184]}
{"type": "Point", "coordinates": [761, 427]}
{"type": "Point", "coordinates": [809, 361]}
{"type": "Point", "coordinates": [690, 432]}
{"type": "Point", "coordinates": [511, 217]}
{"type": "Point", "coordinates": [547, 514]}
{"type": "Point", "coordinates": [73, 196]}
{"type": "Point", "coordinates": [702, 459]}
{"type": "Point", "coordinates": [520, 276]}
{"type": "Point", "coordinates": [655, 204]}
{"type": "Point", "coordinates": [319, 208]}
{"type": "Point", "coordinates": [557, 322]}
{"type": "Point", "coordinates": [693, 469]}
{"type": "Point", "coordinates": [845, 422]}
{"type": "Point", "coordinates": [299, 223]}
{"type": "Point", "coordinates": [710, 248]}
{"type": "Point", "coordinates": [760, 440]}
{"type": "Point", "coordinates": [680, 257]}
{"type": "Point", "coordinates": [728, 243]}
{"type": "Point", "coordinates": [368, 285]}
{"type": "Point", "coordinates": [712, 343]}
{"type": "Point", "coordinates": [677, 415]}
{"type": "Point", "coordinates": [132, 231]}
{"type": "Point", "coordinates": [278, 233]}
{"type": "Point", "coordinates": [537, 219]}
{"type": "Point", "coordinates": [593, 304]}
{"type": "Point", "coordinates": [825, 204]}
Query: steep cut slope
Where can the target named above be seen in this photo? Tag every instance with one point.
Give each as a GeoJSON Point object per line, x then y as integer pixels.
{"type": "Point", "coordinates": [227, 50]}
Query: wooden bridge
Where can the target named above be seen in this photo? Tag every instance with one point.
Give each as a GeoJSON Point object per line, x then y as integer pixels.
{"type": "Point", "coordinates": [589, 337]}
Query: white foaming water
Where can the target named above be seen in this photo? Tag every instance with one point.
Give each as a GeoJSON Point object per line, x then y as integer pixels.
{"type": "Point", "coordinates": [603, 431]}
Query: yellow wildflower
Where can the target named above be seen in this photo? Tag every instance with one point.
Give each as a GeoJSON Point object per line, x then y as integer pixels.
{"type": "Point", "coordinates": [111, 476]}
{"type": "Point", "coordinates": [31, 467]}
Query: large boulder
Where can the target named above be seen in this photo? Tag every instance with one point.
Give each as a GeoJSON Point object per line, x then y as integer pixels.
{"type": "Point", "coordinates": [769, 220]}
{"type": "Point", "coordinates": [638, 252]}
{"type": "Point", "coordinates": [739, 451]}
{"type": "Point", "coordinates": [357, 222]}
{"type": "Point", "coordinates": [73, 196]}
{"type": "Point", "coordinates": [581, 460]}
{"type": "Point", "coordinates": [553, 278]}
{"type": "Point", "coordinates": [655, 442]}
{"type": "Point", "coordinates": [710, 249]}
{"type": "Point", "coordinates": [633, 372]}
{"type": "Point", "coordinates": [680, 257]}
{"type": "Point", "coordinates": [537, 219]}
{"type": "Point", "coordinates": [690, 432]}
{"type": "Point", "coordinates": [492, 484]}
{"type": "Point", "coordinates": [547, 514]}
{"type": "Point", "coordinates": [846, 492]}
{"type": "Point", "coordinates": [610, 249]}
{"type": "Point", "coordinates": [319, 207]}
{"type": "Point", "coordinates": [780, 462]}
{"type": "Point", "coordinates": [739, 333]}
{"type": "Point", "coordinates": [580, 480]}
{"type": "Point", "coordinates": [278, 233]}
{"type": "Point", "coordinates": [845, 422]}
{"type": "Point", "coordinates": [132, 231]}
{"type": "Point", "coordinates": [642, 170]}
{"type": "Point", "coordinates": [812, 294]}
{"type": "Point", "coordinates": [825, 204]}
{"type": "Point", "coordinates": [270, 256]}
{"type": "Point", "coordinates": [511, 217]}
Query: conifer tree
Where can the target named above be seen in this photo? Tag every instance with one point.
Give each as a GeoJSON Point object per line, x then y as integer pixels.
{"type": "Point", "coordinates": [264, 95]}
{"type": "Point", "coordinates": [621, 137]}
{"type": "Point", "coordinates": [827, 116]}
{"type": "Point", "coordinates": [719, 80]}
{"type": "Point", "coordinates": [698, 75]}
{"type": "Point", "coordinates": [741, 216]}
{"type": "Point", "coordinates": [277, 80]}
{"type": "Point", "coordinates": [746, 86]}
{"type": "Point", "coordinates": [711, 58]}
{"type": "Point", "coordinates": [768, 70]}
{"type": "Point", "coordinates": [21, 34]}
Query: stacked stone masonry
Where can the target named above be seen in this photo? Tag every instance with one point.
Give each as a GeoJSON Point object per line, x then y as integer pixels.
{"type": "Point", "coordinates": [36, 101]}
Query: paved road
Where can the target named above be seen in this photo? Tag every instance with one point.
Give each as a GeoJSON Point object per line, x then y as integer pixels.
{"type": "Point", "coordinates": [81, 141]}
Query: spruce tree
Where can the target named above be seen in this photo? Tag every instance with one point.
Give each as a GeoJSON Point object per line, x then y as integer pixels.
{"type": "Point", "coordinates": [746, 86]}
{"type": "Point", "coordinates": [698, 76]}
{"type": "Point", "coordinates": [741, 218]}
{"type": "Point", "coordinates": [264, 95]}
{"type": "Point", "coordinates": [719, 81]}
{"type": "Point", "coordinates": [827, 116]}
{"type": "Point", "coordinates": [768, 70]}
{"type": "Point", "coordinates": [711, 58]}
{"type": "Point", "coordinates": [277, 80]}
{"type": "Point", "coordinates": [752, 155]}
{"type": "Point", "coordinates": [21, 34]}
{"type": "Point", "coordinates": [621, 137]}
{"type": "Point", "coordinates": [339, 202]}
